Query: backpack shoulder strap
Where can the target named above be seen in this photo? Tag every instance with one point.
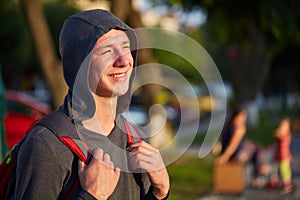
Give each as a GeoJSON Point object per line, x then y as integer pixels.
{"type": "Point", "coordinates": [62, 126]}
{"type": "Point", "coordinates": [59, 123]}
{"type": "Point", "coordinates": [133, 134]}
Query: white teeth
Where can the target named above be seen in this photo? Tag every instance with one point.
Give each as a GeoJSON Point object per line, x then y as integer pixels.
{"type": "Point", "coordinates": [118, 75]}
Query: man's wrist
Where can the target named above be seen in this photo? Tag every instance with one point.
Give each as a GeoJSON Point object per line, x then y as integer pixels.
{"type": "Point", "coordinates": [160, 194]}
{"type": "Point", "coordinates": [86, 195]}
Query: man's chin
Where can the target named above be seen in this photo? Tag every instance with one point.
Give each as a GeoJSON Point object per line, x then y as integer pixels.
{"type": "Point", "coordinates": [120, 92]}
{"type": "Point", "coordinates": [116, 92]}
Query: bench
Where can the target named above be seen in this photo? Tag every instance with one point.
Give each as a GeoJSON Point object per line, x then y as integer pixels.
{"type": "Point", "coordinates": [229, 177]}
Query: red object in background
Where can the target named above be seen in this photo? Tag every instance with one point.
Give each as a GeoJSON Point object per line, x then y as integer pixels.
{"type": "Point", "coordinates": [22, 110]}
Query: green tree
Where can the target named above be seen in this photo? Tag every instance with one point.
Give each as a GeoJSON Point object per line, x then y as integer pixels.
{"type": "Point", "coordinates": [45, 48]}
{"type": "Point", "coordinates": [15, 46]}
{"type": "Point", "coordinates": [34, 47]}
{"type": "Point", "coordinates": [254, 30]}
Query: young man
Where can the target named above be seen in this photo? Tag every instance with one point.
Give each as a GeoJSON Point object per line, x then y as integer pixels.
{"type": "Point", "coordinates": [98, 53]}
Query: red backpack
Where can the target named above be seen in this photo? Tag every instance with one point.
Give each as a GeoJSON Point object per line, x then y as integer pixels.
{"type": "Point", "coordinates": [59, 124]}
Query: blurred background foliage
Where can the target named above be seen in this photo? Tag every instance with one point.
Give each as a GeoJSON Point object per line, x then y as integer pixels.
{"type": "Point", "coordinates": [17, 53]}
{"type": "Point", "coordinates": [254, 43]}
{"type": "Point", "coordinates": [246, 39]}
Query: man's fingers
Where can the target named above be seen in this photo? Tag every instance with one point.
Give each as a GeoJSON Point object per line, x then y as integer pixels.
{"type": "Point", "coordinates": [144, 163]}
{"type": "Point", "coordinates": [117, 172]}
{"type": "Point", "coordinates": [98, 154]}
{"type": "Point", "coordinates": [102, 157]}
{"type": "Point", "coordinates": [100, 177]}
{"type": "Point", "coordinates": [143, 156]}
{"type": "Point", "coordinates": [106, 159]}
{"type": "Point", "coordinates": [111, 164]}
{"type": "Point", "coordinates": [141, 146]}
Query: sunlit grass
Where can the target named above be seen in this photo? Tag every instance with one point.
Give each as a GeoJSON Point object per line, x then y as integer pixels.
{"type": "Point", "coordinates": [191, 177]}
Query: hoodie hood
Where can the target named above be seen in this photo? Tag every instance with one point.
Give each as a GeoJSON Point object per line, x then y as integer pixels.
{"type": "Point", "coordinates": [78, 36]}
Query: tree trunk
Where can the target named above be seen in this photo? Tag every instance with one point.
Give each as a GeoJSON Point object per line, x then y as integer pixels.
{"type": "Point", "coordinates": [251, 68]}
{"type": "Point", "coordinates": [51, 65]}
{"type": "Point", "coordinates": [250, 73]}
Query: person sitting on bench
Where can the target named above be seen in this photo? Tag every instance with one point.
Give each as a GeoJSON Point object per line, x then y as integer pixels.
{"type": "Point", "coordinates": [234, 145]}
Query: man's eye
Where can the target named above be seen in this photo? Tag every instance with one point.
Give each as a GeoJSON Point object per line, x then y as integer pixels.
{"type": "Point", "coordinates": [126, 48]}
{"type": "Point", "coordinates": [105, 52]}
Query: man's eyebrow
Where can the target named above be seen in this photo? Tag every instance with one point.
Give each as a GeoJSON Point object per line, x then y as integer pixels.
{"type": "Point", "coordinates": [111, 45]}
{"type": "Point", "coordinates": [126, 42]}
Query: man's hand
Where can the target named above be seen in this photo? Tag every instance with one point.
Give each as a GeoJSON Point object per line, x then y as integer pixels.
{"type": "Point", "coordinates": [143, 156]}
{"type": "Point", "coordinates": [99, 178]}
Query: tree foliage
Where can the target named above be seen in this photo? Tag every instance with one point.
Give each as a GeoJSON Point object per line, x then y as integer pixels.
{"type": "Point", "coordinates": [19, 50]}
{"type": "Point", "coordinates": [15, 46]}
{"type": "Point", "coordinates": [55, 14]}
{"type": "Point", "coordinates": [252, 33]}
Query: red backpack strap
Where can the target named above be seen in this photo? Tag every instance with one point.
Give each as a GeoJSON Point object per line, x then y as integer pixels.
{"type": "Point", "coordinates": [62, 126]}
{"type": "Point", "coordinates": [79, 147]}
{"type": "Point", "coordinates": [133, 135]}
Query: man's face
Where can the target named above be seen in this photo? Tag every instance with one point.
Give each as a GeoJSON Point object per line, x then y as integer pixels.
{"type": "Point", "coordinates": [111, 64]}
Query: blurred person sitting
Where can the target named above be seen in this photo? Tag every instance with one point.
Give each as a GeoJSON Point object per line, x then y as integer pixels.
{"type": "Point", "coordinates": [234, 145]}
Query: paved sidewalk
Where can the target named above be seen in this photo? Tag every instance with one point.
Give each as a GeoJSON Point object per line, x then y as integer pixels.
{"type": "Point", "coordinates": [255, 195]}
{"type": "Point", "coordinates": [268, 194]}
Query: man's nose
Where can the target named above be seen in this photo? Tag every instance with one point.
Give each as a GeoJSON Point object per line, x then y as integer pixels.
{"type": "Point", "coordinates": [122, 60]}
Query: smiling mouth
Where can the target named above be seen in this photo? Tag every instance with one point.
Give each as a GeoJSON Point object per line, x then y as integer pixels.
{"type": "Point", "coordinates": [118, 75]}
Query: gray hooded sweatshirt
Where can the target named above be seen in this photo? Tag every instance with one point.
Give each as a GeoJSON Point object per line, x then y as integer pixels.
{"type": "Point", "coordinates": [46, 168]}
